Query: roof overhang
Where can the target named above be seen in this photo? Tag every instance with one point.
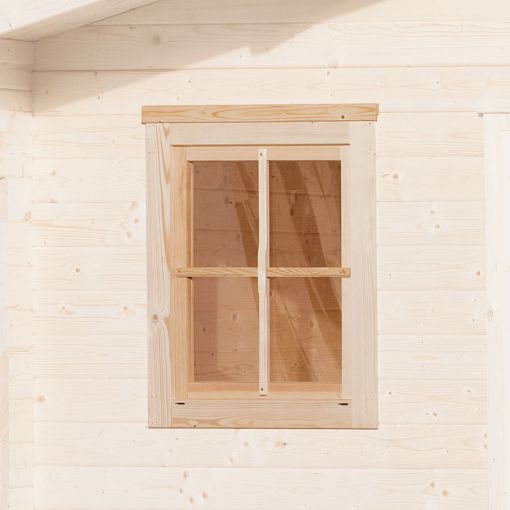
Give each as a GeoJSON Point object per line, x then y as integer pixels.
{"type": "Point", "coordinates": [31, 20]}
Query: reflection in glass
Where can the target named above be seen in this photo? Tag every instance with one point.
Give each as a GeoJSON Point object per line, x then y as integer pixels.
{"type": "Point", "coordinates": [226, 331]}
{"type": "Point", "coordinates": [305, 330]}
{"type": "Point", "coordinates": [225, 213]}
{"type": "Point", "coordinates": [304, 204]}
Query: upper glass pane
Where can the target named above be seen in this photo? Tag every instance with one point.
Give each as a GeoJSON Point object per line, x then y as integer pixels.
{"type": "Point", "coordinates": [304, 208]}
{"type": "Point", "coordinates": [225, 213]}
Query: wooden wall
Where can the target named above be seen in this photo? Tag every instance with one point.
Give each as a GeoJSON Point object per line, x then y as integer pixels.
{"type": "Point", "coordinates": [427, 64]}
{"type": "Point", "coordinates": [16, 341]}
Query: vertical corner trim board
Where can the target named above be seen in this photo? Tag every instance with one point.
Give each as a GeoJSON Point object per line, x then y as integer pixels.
{"type": "Point", "coordinates": [497, 218]}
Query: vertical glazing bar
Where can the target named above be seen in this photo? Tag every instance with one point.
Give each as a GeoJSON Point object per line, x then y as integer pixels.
{"type": "Point", "coordinates": [263, 281]}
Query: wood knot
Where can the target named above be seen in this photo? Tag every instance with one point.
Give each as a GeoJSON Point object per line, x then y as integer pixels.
{"type": "Point", "coordinates": [155, 318]}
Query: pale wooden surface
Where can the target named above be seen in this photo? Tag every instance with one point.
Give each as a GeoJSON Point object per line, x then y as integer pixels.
{"type": "Point", "coordinates": [277, 45]}
{"type": "Point", "coordinates": [263, 283]}
{"type": "Point", "coordinates": [16, 262]}
{"type": "Point", "coordinates": [90, 365]}
{"type": "Point", "coordinates": [159, 276]}
{"type": "Point", "coordinates": [305, 349]}
{"type": "Point", "coordinates": [497, 173]}
{"type": "Point", "coordinates": [259, 113]}
{"type": "Point", "coordinates": [452, 488]}
{"type": "Point", "coordinates": [359, 304]}
{"type": "Point", "coordinates": [250, 153]}
{"type": "Point", "coordinates": [174, 12]}
{"type": "Point", "coordinates": [30, 20]}
{"type": "Point", "coordinates": [395, 89]}
{"type": "Point", "coordinates": [179, 245]}
{"type": "Point", "coordinates": [232, 413]}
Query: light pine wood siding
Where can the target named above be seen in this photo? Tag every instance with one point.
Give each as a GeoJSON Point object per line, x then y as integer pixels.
{"type": "Point", "coordinates": [427, 66]}
{"type": "Point", "coordinates": [16, 260]}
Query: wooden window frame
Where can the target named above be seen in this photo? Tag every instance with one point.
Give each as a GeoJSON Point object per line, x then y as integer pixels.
{"type": "Point", "coordinates": [176, 135]}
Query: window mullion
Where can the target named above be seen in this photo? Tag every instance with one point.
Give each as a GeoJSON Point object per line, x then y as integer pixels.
{"type": "Point", "coordinates": [263, 280]}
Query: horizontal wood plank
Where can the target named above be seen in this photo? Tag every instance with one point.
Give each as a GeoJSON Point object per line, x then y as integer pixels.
{"type": "Point", "coordinates": [424, 401]}
{"type": "Point", "coordinates": [123, 488]}
{"type": "Point", "coordinates": [132, 444]}
{"type": "Point", "coordinates": [432, 312]}
{"type": "Point", "coordinates": [431, 267]}
{"type": "Point", "coordinates": [84, 354]}
{"type": "Point", "coordinates": [15, 77]}
{"type": "Point", "coordinates": [97, 47]}
{"type": "Point", "coordinates": [16, 52]}
{"type": "Point", "coordinates": [268, 413]}
{"type": "Point", "coordinates": [88, 224]}
{"type": "Point", "coordinates": [281, 272]}
{"type": "Point", "coordinates": [432, 357]}
{"type": "Point", "coordinates": [95, 269]}
{"type": "Point", "coordinates": [89, 180]}
{"type": "Point", "coordinates": [174, 12]}
{"type": "Point", "coordinates": [260, 113]}
{"type": "Point", "coordinates": [425, 179]}
{"type": "Point", "coordinates": [31, 20]}
{"type": "Point", "coordinates": [430, 223]}
{"type": "Point", "coordinates": [398, 135]}
{"type": "Point", "coordinates": [418, 89]}
{"type": "Point", "coordinates": [433, 401]}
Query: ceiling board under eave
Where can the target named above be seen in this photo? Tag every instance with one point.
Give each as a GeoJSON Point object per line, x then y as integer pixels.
{"type": "Point", "coordinates": [31, 20]}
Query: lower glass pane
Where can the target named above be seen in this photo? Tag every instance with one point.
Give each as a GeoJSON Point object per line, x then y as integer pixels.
{"type": "Point", "coordinates": [226, 330]}
{"type": "Point", "coordinates": [305, 330]}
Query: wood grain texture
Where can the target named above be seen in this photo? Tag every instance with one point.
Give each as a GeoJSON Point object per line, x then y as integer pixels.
{"type": "Point", "coordinates": [263, 283]}
{"type": "Point", "coordinates": [100, 180]}
{"type": "Point", "coordinates": [260, 113]}
{"type": "Point", "coordinates": [430, 223]}
{"type": "Point", "coordinates": [132, 444]}
{"type": "Point", "coordinates": [432, 312]}
{"type": "Point", "coordinates": [179, 246]}
{"type": "Point", "coordinates": [497, 161]}
{"type": "Point", "coordinates": [158, 274]}
{"type": "Point", "coordinates": [173, 12]}
{"type": "Point", "coordinates": [396, 90]}
{"type": "Point", "coordinates": [429, 179]}
{"type": "Point", "coordinates": [431, 357]}
{"type": "Point", "coordinates": [292, 414]}
{"type": "Point", "coordinates": [72, 487]}
{"type": "Point", "coordinates": [398, 135]}
{"type": "Point", "coordinates": [86, 224]}
{"type": "Point", "coordinates": [275, 45]}
{"type": "Point", "coordinates": [425, 401]}
{"type": "Point", "coordinates": [29, 20]}
{"type": "Point", "coordinates": [437, 267]}
{"type": "Point", "coordinates": [265, 133]}
{"type": "Point", "coordinates": [429, 142]}
{"type": "Point", "coordinates": [16, 260]}
{"type": "Point", "coordinates": [359, 303]}
{"type": "Point", "coordinates": [124, 356]}
{"type": "Point", "coordinates": [280, 272]}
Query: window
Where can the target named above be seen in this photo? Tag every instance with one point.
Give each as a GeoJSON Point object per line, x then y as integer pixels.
{"type": "Point", "coordinates": [261, 266]}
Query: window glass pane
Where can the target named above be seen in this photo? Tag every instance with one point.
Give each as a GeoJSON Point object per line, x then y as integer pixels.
{"type": "Point", "coordinates": [226, 329]}
{"type": "Point", "coordinates": [305, 330]}
{"type": "Point", "coordinates": [304, 205]}
{"type": "Point", "coordinates": [225, 213]}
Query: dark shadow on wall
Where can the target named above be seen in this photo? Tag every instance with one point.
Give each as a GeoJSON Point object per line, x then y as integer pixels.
{"type": "Point", "coordinates": [99, 61]}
